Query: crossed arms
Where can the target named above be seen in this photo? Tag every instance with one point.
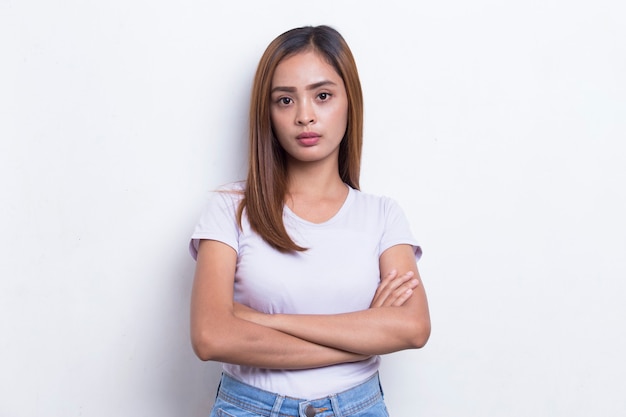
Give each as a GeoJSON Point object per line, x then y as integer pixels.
{"type": "Point", "coordinates": [224, 331]}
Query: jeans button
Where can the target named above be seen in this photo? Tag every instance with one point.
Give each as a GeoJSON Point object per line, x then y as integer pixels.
{"type": "Point", "coordinates": [310, 411]}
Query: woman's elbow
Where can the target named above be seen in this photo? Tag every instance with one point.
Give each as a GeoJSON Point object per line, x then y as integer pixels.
{"type": "Point", "coordinates": [204, 346]}
{"type": "Point", "coordinates": [420, 333]}
{"type": "Point", "coordinates": [200, 348]}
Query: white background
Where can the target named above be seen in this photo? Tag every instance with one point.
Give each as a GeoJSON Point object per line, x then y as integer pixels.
{"type": "Point", "coordinates": [499, 127]}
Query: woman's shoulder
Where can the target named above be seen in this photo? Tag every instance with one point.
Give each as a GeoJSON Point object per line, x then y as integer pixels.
{"type": "Point", "coordinates": [378, 205]}
{"type": "Point", "coordinates": [225, 197]}
{"type": "Point", "coordinates": [236, 187]}
{"type": "Point", "coordinates": [370, 199]}
{"type": "Point", "coordinates": [233, 191]}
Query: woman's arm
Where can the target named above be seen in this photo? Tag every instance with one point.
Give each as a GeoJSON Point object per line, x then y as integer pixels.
{"type": "Point", "coordinates": [378, 330]}
{"type": "Point", "coordinates": [218, 335]}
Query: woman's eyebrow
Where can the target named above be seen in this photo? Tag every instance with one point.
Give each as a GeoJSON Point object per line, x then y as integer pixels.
{"type": "Point", "coordinates": [308, 87]}
{"type": "Point", "coordinates": [320, 84]}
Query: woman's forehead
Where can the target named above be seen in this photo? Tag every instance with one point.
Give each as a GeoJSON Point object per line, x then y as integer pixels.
{"type": "Point", "coordinates": [304, 69]}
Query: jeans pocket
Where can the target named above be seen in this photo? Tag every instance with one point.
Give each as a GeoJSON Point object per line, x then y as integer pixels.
{"type": "Point", "coordinates": [379, 409]}
{"type": "Point", "coordinates": [221, 413]}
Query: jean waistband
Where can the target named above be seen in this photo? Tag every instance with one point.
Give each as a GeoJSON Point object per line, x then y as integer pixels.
{"type": "Point", "coordinates": [267, 404]}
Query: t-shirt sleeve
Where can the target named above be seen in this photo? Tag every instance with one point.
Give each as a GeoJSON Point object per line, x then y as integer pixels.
{"type": "Point", "coordinates": [397, 229]}
{"type": "Point", "coordinates": [218, 221]}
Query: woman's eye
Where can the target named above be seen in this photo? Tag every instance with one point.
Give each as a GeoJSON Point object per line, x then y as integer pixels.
{"type": "Point", "coordinates": [324, 96]}
{"type": "Point", "coordinates": [284, 100]}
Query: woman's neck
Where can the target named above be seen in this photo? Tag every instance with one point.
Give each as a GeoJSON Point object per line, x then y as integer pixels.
{"type": "Point", "coordinates": [314, 180]}
{"type": "Point", "coordinates": [315, 194]}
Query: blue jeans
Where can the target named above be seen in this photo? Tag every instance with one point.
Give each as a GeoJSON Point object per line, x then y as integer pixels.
{"type": "Point", "coordinates": [236, 399]}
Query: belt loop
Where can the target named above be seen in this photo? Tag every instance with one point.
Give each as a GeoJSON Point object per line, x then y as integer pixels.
{"type": "Point", "coordinates": [277, 404]}
{"type": "Point", "coordinates": [335, 404]}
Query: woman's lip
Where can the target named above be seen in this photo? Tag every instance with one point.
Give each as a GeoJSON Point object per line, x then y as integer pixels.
{"type": "Point", "coordinates": [308, 135]}
{"type": "Point", "coordinates": [309, 140]}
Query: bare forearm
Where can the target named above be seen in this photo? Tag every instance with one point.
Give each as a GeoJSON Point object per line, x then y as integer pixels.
{"type": "Point", "coordinates": [369, 332]}
{"type": "Point", "coordinates": [397, 319]}
{"type": "Point", "coordinates": [237, 341]}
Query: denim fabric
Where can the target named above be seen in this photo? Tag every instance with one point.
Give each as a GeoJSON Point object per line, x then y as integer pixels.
{"type": "Point", "coordinates": [236, 399]}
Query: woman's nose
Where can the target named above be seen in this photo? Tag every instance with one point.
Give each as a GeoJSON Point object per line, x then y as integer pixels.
{"type": "Point", "coordinates": [305, 115]}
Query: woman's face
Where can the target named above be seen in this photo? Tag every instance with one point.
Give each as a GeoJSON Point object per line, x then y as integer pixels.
{"type": "Point", "coordinates": [309, 108]}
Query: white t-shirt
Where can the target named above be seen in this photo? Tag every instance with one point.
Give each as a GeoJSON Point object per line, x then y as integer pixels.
{"type": "Point", "coordinates": [338, 273]}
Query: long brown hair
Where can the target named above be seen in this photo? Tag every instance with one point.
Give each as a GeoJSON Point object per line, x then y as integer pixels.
{"type": "Point", "coordinates": [267, 169]}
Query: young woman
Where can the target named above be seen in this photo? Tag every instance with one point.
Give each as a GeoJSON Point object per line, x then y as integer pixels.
{"type": "Point", "coordinates": [302, 281]}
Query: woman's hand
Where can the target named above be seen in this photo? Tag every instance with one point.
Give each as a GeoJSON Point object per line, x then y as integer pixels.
{"type": "Point", "coordinates": [394, 289]}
